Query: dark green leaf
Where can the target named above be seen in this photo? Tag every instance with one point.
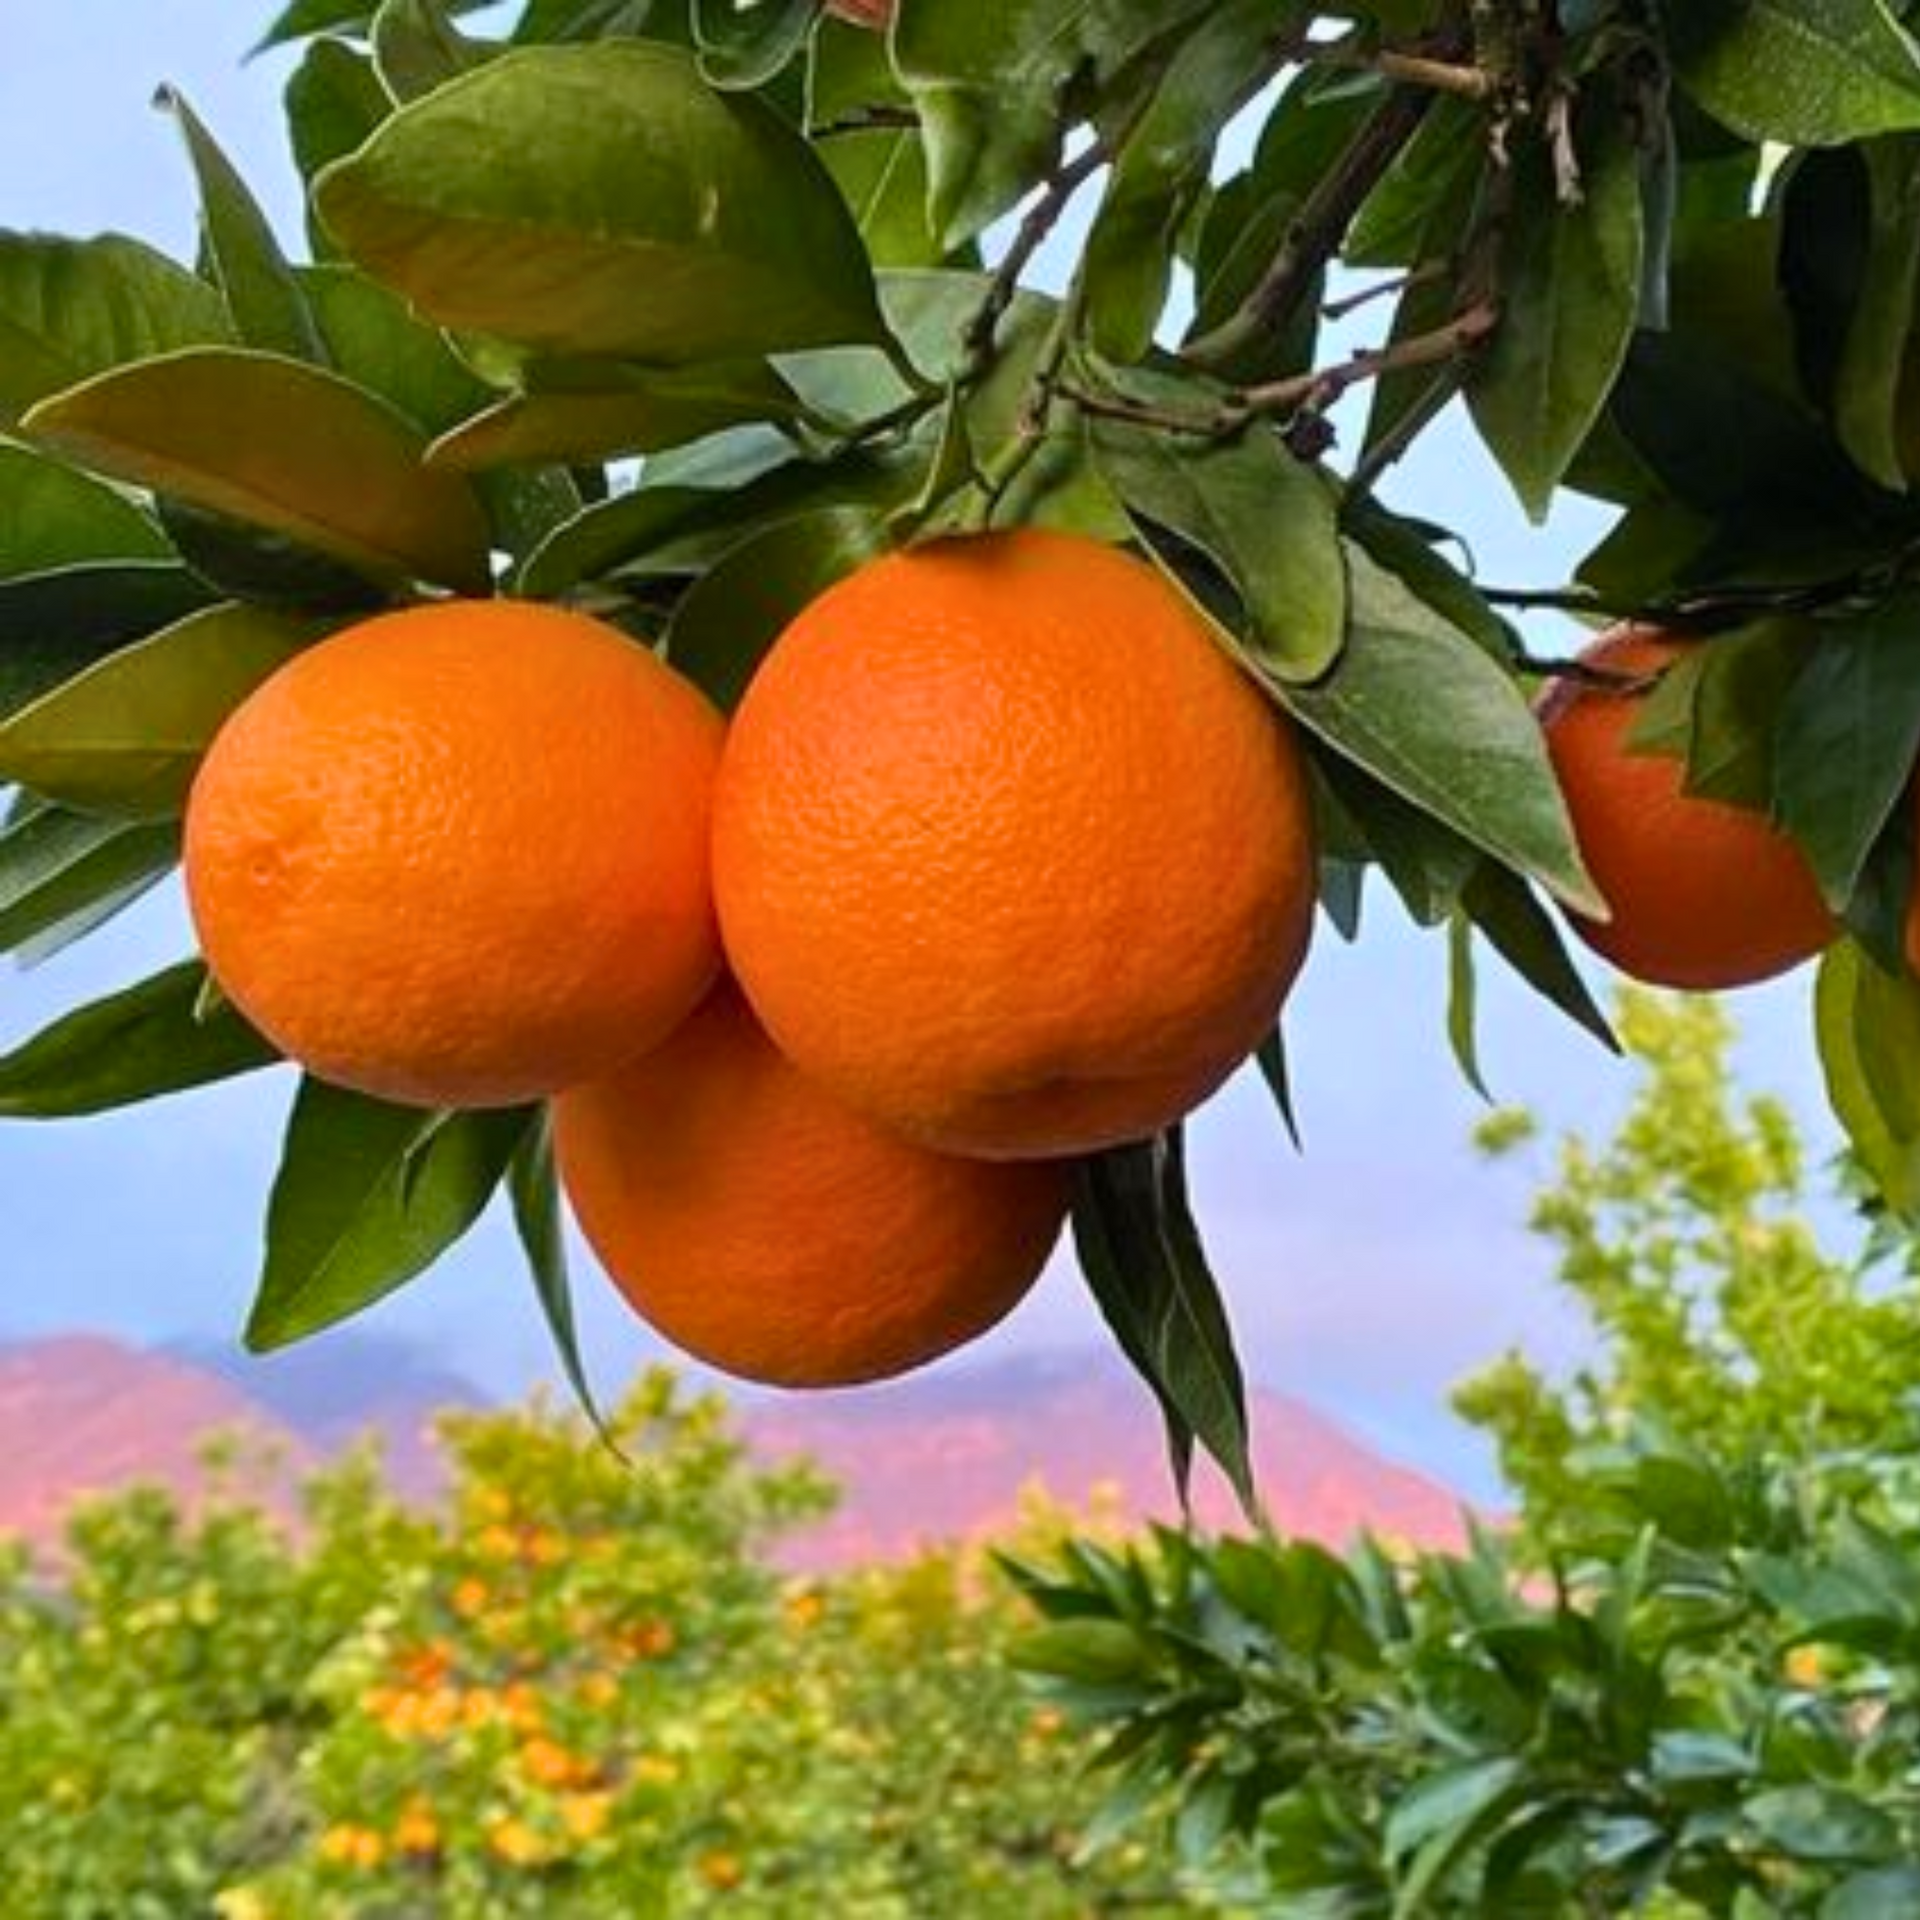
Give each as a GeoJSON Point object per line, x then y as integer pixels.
{"type": "Point", "coordinates": [1849, 736]}
{"type": "Point", "coordinates": [52, 625]}
{"type": "Point", "coordinates": [334, 101]}
{"type": "Point", "coordinates": [1807, 73]}
{"type": "Point", "coordinates": [416, 47]}
{"type": "Point", "coordinates": [132, 1046]}
{"type": "Point", "coordinates": [369, 1195]}
{"type": "Point", "coordinates": [722, 629]}
{"type": "Point", "coordinates": [673, 224]}
{"type": "Point", "coordinates": [1263, 517]}
{"type": "Point", "coordinates": [1570, 296]}
{"type": "Point", "coordinates": [1422, 709]}
{"type": "Point", "coordinates": [265, 568]}
{"type": "Point", "coordinates": [1824, 1823]}
{"type": "Point", "coordinates": [1271, 1056]}
{"type": "Point", "coordinates": [1524, 934]}
{"type": "Point", "coordinates": [60, 869]}
{"type": "Point", "coordinates": [1874, 360]}
{"type": "Point", "coordinates": [126, 736]}
{"type": "Point", "coordinates": [1142, 1258]}
{"type": "Point", "coordinates": [73, 308]}
{"type": "Point", "coordinates": [1463, 1031]}
{"type": "Point", "coordinates": [52, 517]}
{"type": "Point", "coordinates": [377, 344]}
{"type": "Point", "coordinates": [746, 43]}
{"type": "Point", "coordinates": [340, 472]}
{"type": "Point", "coordinates": [1448, 1802]}
{"type": "Point", "coordinates": [264, 300]}
{"type": "Point", "coordinates": [1874, 1895]}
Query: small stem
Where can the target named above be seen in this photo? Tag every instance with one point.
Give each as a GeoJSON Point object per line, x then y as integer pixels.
{"type": "Point", "coordinates": [1321, 389]}
{"type": "Point", "coordinates": [1409, 69]}
{"type": "Point", "coordinates": [1418, 276]}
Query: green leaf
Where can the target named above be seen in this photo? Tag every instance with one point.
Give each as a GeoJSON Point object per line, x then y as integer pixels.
{"type": "Point", "coordinates": [1420, 707]}
{"type": "Point", "coordinates": [1873, 361]}
{"type": "Point", "coordinates": [368, 1196]}
{"type": "Point", "coordinates": [988, 77]}
{"type": "Point", "coordinates": [1140, 1252]}
{"type": "Point", "coordinates": [1271, 1058]}
{"type": "Point", "coordinates": [304, 18]}
{"type": "Point", "coordinates": [746, 43]}
{"type": "Point", "coordinates": [72, 308]}
{"type": "Point", "coordinates": [134, 1045]}
{"type": "Point", "coordinates": [1806, 73]}
{"type": "Point", "coordinates": [52, 517]}
{"type": "Point", "coordinates": [1463, 1033]}
{"type": "Point", "coordinates": [1867, 1022]}
{"type": "Point", "coordinates": [613, 410]}
{"type": "Point", "coordinates": [882, 174]}
{"type": "Point", "coordinates": [534, 1189]}
{"type": "Point", "coordinates": [334, 101]}
{"type": "Point", "coordinates": [1824, 1823]}
{"type": "Point", "coordinates": [377, 344]}
{"type": "Point", "coordinates": [1848, 737]}
{"type": "Point", "coordinates": [734, 613]}
{"type": "Point", "coordinates": [53, 625]}
{"type": "Point", "coordinates": [1570, 292]}
{"type": "Point", "coordinates": [1874, 1894]}
{"type": "Point", "coordinates": [416, 47]}
{"type": "Point", "coordinates": [1097, 1653]}
{"type": "Point", "coordinates": [672, 224]}
{"type": "Point", "coordinates": [340, 471]}
{"type": "Point", "coordinates": [1162, 167]}
{"type": "Point", "coordinates": [1448, 1802]}
{"type": "Point", "coordinates": [1263, 517]}
{"type": "Point", "coordinates": [60, 870]}
{"type": "Point", "coordinates": [1525, 935]}
{"type": "Point", "coordinates": [264, 300]}
{"type": "Point", "coordinates": [126, 736]}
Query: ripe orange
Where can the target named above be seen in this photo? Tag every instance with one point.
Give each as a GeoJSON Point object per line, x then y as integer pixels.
{"type": "Point", "coordinates": [457, 855]}
{"type": "Point", "coordinates": [1007, 853]}
{"type": "Point", "coordinates": [774, 1233]}
{"type": "Point", "coordinates": [1704, 894]}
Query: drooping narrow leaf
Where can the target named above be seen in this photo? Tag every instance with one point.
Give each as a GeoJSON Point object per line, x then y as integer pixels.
{"type": "Point", "coordinates": [51, 516]}
{"type": "Point", "coordinates": [73, 308]}
{"type": "Point", "coordinates": [1521, 931]}
{"type": "Point", "coordinates": [134, 1045]}
{"type": "Point", "coordinates": [125, 736]}
{"type": "Point", "coordinates": [1463, 1019]}
{"type": "Point", "coordinates": [1263, 517]}
{"type": "Point", "coordinates": [1271, 1057]}
{"type": "Point", "coordinates": [1807, 73]}
{"type": "Point", "coordinates": [264, 300]}
{"type": "Point", "coordinates": [535, 1192]}
{"type": "Point", "coordinates": [1570, 297]}
{"type": "Point", "coordinates": [1422, 709]}
{"type": "Point", "coordinates": [672, 224]}
{"type": "Point", "coordinates": [59, 868]}
{"type": "Point", "coordinates": [1142, 1258]}
{"type": "Point", "coordinates": [1848, 736]}
{"type": "Point", "coordinates": [341, 471]}
{"type": "Point", "coordinates": [367, 1197]}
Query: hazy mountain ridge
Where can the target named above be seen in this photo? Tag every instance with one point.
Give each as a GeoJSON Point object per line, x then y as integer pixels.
{"type": "Point", "coordinates": [946, 1455]}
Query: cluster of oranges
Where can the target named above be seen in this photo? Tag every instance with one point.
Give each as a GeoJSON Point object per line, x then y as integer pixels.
{"type": "Point", "coordinates": [1000, 862]}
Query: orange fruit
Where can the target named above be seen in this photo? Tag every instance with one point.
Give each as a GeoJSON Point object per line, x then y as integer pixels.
{"type": "Point", "coordinates": [1704, 895]}
{"type": "Point", "coordinates": [1007, 852]}
{"type": "Point", "coordinates": [457, 855]}
{"type": "Point", "coordinates": [770, 1231]}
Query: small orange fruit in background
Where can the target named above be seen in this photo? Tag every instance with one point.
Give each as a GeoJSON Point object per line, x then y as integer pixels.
{"type": "Point", "coordinates": [458, 855]}
{"type": "Point", "coordinates": [772, 1232]}
{"type": "Point", "coordinates": [1007, 853]}
{"type": "Point", "coordinates": [1704, 895]}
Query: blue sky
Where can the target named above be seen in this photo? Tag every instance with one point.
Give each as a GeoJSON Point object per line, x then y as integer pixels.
{"type": "Point", "coordinates": [1367, 1274]}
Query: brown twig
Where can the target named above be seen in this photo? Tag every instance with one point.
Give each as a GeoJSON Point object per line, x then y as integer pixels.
{"type": "Point", "coordinates": [1319, 390]}
{"type": "Point", "coordinates": [1419, 276]}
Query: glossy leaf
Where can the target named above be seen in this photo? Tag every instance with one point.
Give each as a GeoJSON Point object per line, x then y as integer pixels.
{"type": "Point", "coordinates": [1873, 362]}
{"type": "Point", "coordinates": [54, 624]}
{"type": "Point", "coordinates": [987, 79]}
{"type": "Point", "coordinates": [369, 1195]}
{"type": "Point", "coordinates": [1521, 931]}
{"type": "Point", "coordinates": [264, 300]}
{"type": "Point", "coordinates": [72, 308]}
{"type": "Point", "coordinates": [746, 43]}
{"type": "Point", "coordinates": [1421, 708]}
{"type": "Point", "coordinates": [340, 472]}
{"type": "Point", "coordinates": [1142, 1258]}
{"type": "Point", "coordinates": [1570, 297]}
{"type": "Point", "coordinates": [1263, 517]}
{"type": "Point", "coordinates": [1808, 73]}
{"type": "Point", "coordinates": [596, 410]}
{"type": "Point", "coordinates": [126, 736]}
{"type": "Point", "coordinates": [132, 1046]}
{"type": "Point", "coordinates": [416, 47]}
{"type": "Point", "coordinates": [334, 101]}
{"type": "Point", "coordinates": [51, 516]}
{"type": "Point", "coordinates": [672, 224]}
{"type": "Point", "coordinates": [882, 172]}
{"type": "Point", "coordinates": [724, 626]}
{"type": "Point", "coordinates": [59, 869]}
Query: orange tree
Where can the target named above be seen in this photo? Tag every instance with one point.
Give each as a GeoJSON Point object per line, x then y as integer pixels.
{"type": "Point", "coordinates": [781, 256]}
{"type": "Point", "coordinates": [579, 1685]}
